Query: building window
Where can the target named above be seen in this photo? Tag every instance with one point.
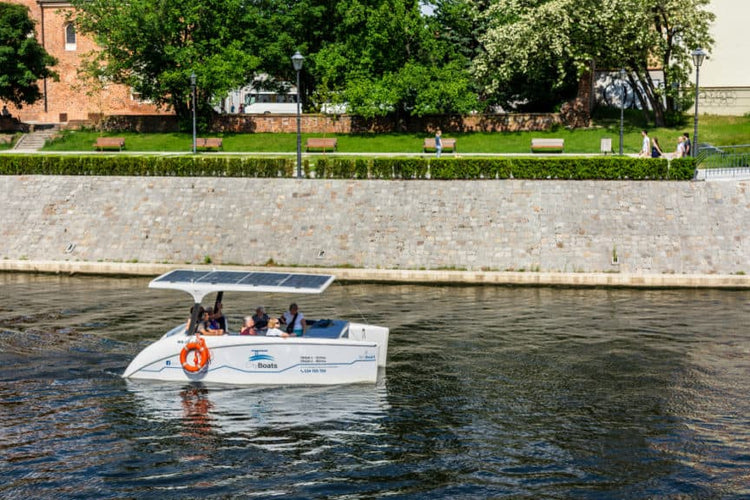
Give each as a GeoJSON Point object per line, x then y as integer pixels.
{"type": "Point", "coordinates": [70, 37]}
{"type": "Point", "coordinates": [137, 97]}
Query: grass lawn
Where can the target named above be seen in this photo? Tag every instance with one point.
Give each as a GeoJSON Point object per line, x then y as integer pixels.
{"type": "Point", "coordinates": [717, 130]}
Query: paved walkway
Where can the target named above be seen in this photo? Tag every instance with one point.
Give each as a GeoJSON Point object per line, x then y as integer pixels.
{"type": "Point", "coordinates": [408, 276]}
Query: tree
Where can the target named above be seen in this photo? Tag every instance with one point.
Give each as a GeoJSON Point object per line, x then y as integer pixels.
{"type": "Point", "coordinates": [664, 35]}
{"type": "Point", "coordinates": [530, 58]}
{"type": "Point", "coordinates": [23, 62]}
{"type": "Point", "coordinates": [534, 51]}
{"type": "Point", "coordinates": [388, 58]}
{"type": "Point", "coordinates": [155, 46]}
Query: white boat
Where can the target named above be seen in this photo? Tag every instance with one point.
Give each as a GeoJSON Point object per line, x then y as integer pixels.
{"type": "Point", "coordinates": [330, 351]}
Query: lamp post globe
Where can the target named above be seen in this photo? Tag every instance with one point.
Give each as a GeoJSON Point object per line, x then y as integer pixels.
{"type": "Point", "coordinates": [192, 99]}
{"type": "Point", "coordinates": [297, 60]}
{"type": "Point", "coordinates": [698, 56]}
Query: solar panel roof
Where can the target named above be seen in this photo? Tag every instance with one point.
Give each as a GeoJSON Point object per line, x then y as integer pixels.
{"type": "Point", "coordinates": [201, 283]}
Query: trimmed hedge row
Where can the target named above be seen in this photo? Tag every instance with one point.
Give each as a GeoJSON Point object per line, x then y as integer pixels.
{"type": "Point", "coordinates": [509, 168]}
{"type": "Point", "coordinates": [345, 168]}
{"type": "Point", "coordinates": [146, 166]}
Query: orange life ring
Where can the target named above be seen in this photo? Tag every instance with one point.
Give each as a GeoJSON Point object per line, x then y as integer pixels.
{"type": "Point", "coordinates": [200, 355]}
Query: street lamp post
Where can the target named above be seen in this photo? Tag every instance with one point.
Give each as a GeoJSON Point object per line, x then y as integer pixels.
{"type": "Point", "coordinates": [623, 73]}
{"type": "Point", "coordinates": [297, 60]}
{"type": "Point", "coordinates": [192, 93]}
{"type": "Point", "coordinates": [698, 56]}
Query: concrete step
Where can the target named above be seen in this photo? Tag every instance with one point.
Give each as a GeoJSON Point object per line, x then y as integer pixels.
{"type": "Point", "coordinates": [35, 140]}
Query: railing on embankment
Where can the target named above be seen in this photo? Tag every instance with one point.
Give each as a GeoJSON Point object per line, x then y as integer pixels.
{"type": "Point", "coordinates": [724, 162]}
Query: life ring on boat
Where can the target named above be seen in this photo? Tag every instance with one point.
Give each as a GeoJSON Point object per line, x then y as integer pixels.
{"type": "Point", "coordinates": [201, 355]}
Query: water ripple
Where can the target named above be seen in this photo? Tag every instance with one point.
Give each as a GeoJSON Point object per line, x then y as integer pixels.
{"type": "Point", "coordinates": [489, 392]}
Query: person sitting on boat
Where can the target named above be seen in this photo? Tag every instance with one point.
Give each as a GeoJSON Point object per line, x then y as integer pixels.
{"type": "Point", "coordinates": [294, 321]}
{"type": "Point", "coordinates": [248, 328]}
{"type": "Point", "coordinates": [207, 327]}
{"type": "Point", "coordinates": [273, 329]}
{"type": "Point", "coordinates": [218, 319]}
{"type": "Point", "coordinates": [261, 319]}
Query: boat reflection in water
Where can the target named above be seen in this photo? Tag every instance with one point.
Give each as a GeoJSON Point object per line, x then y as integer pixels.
{"type": "Point", "coordinates": [225, 409]}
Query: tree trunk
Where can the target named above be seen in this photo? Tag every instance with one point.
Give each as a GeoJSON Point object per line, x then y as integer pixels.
{"type": "Point", "coordinates": [637, 92]}
{"type": "Point", "coordinates": [656, 103]}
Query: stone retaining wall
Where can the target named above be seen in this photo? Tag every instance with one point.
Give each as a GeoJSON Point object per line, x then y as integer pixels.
{"type": "Point", "coordinates": [512, 225]}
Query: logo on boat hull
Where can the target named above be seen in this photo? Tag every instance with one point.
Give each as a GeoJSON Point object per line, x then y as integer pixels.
{"type": "Point", "coordinates": [261, 360]}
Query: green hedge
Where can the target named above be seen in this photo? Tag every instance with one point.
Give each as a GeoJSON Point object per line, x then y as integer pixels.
{"type": "Point", "coordinates": [183, 166]}
{"type": "Point", "coordinates": [346, 168]}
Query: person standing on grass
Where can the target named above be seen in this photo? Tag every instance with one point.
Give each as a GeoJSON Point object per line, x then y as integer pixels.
{"type": "Point", "coordinates": [438, 143]}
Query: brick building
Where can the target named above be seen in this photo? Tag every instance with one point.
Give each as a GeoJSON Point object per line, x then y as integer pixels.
{"type": "Point", "coordinates": [70, 98]}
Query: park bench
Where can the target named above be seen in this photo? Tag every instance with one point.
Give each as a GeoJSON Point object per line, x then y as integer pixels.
{"type": "Point", "coordinates": [448, 144]}
{"type": "Point", "coordinates": [318, 143]}
{"type": "Point", "coordinates": [547, 145]}
{"type": "Point", "coordinates": [208, 143]}
{"type": "Point", "coordinates": [109, 143]}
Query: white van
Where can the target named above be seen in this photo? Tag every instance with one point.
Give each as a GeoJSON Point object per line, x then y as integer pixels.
{"type": "Point", "coordinates": [257, 98]}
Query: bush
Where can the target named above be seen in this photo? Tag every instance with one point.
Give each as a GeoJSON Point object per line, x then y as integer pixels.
{"type": "Point", "coordinates": [682, 169]}
{"type": "Point", "coordinates": [146, 166]}
{"type": "Point", "coordinates": [344, 168]}
{"type": "Point", "coordinates": [382, 168]}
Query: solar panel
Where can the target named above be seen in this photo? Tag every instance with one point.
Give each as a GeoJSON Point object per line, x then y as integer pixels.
{"type": "Point", "coordinates": [264, 279]}
{"type": "Point", "coordinates": [201, 283]}
{"type": "Point", "coordinates": [182, 275]}
{"type": "Point", "coordinates": [305, 281]}
{"type": "Point", "coordinates": [222, 277]}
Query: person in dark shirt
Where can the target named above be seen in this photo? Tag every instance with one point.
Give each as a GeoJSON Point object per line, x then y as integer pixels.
{"type": "Point", "coordinates": [688, 145]}
{"type": "Point", "coordinates": [261, 319]}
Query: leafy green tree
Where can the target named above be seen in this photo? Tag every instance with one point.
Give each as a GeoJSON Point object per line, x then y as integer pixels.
{"type": "Point", "coordinates": [155, 46]}
{"type": "Point", "coordinates": [388, 58]}
{"type": "Point", "coordinates": [23, 62]}
{"type": "Point", "coordinates": [658, 33]}
{"type": "Point", "coordinates": [534, 51]}
{"type": "Point", "coordinates": [529, 58]}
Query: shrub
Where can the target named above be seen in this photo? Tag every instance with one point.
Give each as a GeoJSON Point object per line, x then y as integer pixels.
{"type": "Point", "coordinates": [344, 168]}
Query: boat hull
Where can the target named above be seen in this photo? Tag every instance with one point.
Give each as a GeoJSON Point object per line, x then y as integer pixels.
{"type": "Point", "coordinates": [253, 360]}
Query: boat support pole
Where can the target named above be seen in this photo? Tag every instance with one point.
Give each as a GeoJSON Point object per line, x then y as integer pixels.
{"type": "Point", "coordinates": [194, 317]}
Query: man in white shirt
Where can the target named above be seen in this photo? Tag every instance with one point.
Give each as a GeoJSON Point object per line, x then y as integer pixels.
{"type": "Point", "coordinates": [645, 146]}
{"type": "Point", "coordinates": [294, 321]}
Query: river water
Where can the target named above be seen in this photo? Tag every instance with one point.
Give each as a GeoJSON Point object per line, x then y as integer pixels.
{"type": "Point", "coordinates": [489, 392]}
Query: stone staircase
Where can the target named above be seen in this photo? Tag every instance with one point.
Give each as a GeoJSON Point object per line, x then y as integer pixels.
{"type": "Point", "coordinates": [34, 140]}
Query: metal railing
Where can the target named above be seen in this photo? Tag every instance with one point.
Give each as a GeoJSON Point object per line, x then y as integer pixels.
{"type": "Point", "coordinates": [710, 157]}
{"type": "Point", "coordinates": [723, 162]}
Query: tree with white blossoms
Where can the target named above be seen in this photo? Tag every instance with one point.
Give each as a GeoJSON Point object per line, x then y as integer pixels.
{"type": "Point", "coordinates": [534, 51]}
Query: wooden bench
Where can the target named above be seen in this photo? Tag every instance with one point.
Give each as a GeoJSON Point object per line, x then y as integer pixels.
{"type": "Point", "coordinates": [207, 143]}
{"type": "Point", "coordinates": [109, 143]}
{"type": "Point", "coordinates": [547, 145]}
{"type": "Point", "coordinates": [318, 143]}
{"type": "Point", "coordinates": [448, 144]}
